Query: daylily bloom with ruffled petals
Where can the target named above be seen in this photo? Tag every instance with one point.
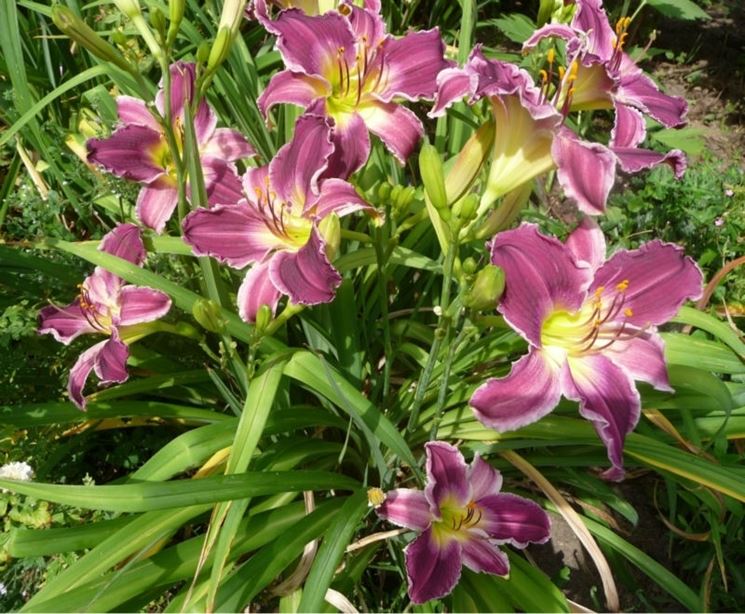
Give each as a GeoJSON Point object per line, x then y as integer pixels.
{"type": "Point", "coordinates": [275, 227]}
{"type": "Point", "coordinates": [138, 150]}
{"type": "Point", "coordinates": [342, 64]}
{"type": "Point", "coordinates": [106, 305]}
{"type": "Point", "coordinates": [463, 519]}
{"type": "Point", "coordinates": [607, 78]}
{"type": "Point", "coordinates": [591, 326]}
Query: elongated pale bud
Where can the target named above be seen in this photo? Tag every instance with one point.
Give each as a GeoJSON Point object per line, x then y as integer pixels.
{"type": "Point", "coordinates": [79, 31]}
{"type": "Point", "coordinates": [486, 290]}
{"type": "Point", "coordinates": [330, 229]}
{"type": "Point", "coordinates": [433, 176]}
{"type": "Point", "coordinates": [129, 7]}
{"type": "Point", "coordinates": [176, 10]}
{"type": "Point", "coordinates": [208, 316]}
{"type": "Point", "coordinates": [230, 20]}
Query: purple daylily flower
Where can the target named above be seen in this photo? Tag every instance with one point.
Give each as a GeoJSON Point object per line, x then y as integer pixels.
{"type": "Point", "coordinates": [343, 65]}
{"type": "Point", "coordinates": [463, 519]}
{"type": "Point", "coordinates": [109, 306]}
{"type": "Point", "coordinates": [138, 150]}
{"type": "Point", "coordinates": [275, 227]}
{"type": "Point", "coordinates": [591, 326]}
{"type": "Point", "coordinates": [607, 78]}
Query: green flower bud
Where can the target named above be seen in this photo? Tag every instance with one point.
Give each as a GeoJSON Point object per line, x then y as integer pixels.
{"type": "Point", "coordinates": [203, 52]}
{"type": "Point", "coordinates": [175, 15]}
{"type": "Point", "coordinates": [384, 191]}
{"type": "Point", "coordinates": [220, 49]}
{"type": "Point", "coordinates": [263, 318]}
{"type": "Point", "coordinates": [207, 314]}
{"type": "Point", "coordinates": [77, 30]}
{"type": "Point", "coordinates": [130, 8]}
{"type": "Point", "coordinates": [486, 290]}
{"type": "Point", "coordinates": [469, 266]}
{"type": "Point", "coordinates": [158, 20]}
{"type": "Point", "coordinates": [404, 198]}
{"type": "Point", "coordinates": [433, 177]}
{"type": "Point", "coordinates": [330, 229]}
{"type": "Point", "coordinates": [465, 209]}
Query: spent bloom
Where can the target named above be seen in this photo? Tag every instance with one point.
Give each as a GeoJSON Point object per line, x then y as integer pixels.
{"type": "Point", "coordinates": [275, 227]}
{"type": "Point", "coordinates": [138, 150]}
{"type": "Point", "coordinates": [605, 77]}
{"type": "Point", "coordinates": [344, 65]}
{"type": "Point", "coordinates": [108, 306]}
{"type": "Point", "coordinates": [462, 519]}
{"type": "Point", "coordinates": [591, 327]}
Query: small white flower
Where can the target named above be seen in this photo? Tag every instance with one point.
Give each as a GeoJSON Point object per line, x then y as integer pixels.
{"type": "Point", "coordinates": [16, 471]}
{"type": "Point", "coordinates": [3, 589]}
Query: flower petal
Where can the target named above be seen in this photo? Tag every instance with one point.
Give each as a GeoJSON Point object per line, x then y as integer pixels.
{"type": "Point", "coordinates": [367, 25]}
{"type": "Point", "coordinates": [587, 243]}
{"type": "Point", "coordinates": [132, 110]}
{"type": "Point", "coordinates": [138, 304]}
{"type": "Point", "coordinates": [224, 186]}
{"type": "Point", "coordinates": [351, 146]}
{"type": "Point", "coordinates": [410, 65]}
{"type": "Point", "coordinates": [338, 197]}
{"type": "Point", "coordinates": [227, 144]}
{"type": "Point", "coordinates": [540, 274]}
{"type": "Point", "coordinates": [629, 129]}
{"type": "Point", "coordinates": [529, 392]}
{"type": "Point", "coordinates": [638, 90]}
{"type": "Point", "coordinates": [398, 127]}
{"type": "Point", "coordinates": [591, 19]}
{"type": "Point", "coordinates": [452, 85]}
{"type": "Point", "coordinates": [483, 556]}
{"type": "Point", "coordinates": [433, 566]}
{"type": "Point", "coordinates": [183, 75]}
{"type": "Point", "coordinates": [130, 152]}
{"type": "Point", "coordinates": [235, 234]}
{"type": "Point", "coordinates": [643, 358]}
{"type": "Point", "coordinates": [256, 290]}
{"type": "Point", "coordinates": [407, 508]}
{"type": "Point", "coordinates": [585, 170]}
{"type": "Point", "coordinates": [306, 276]}
{"type": "Point", "coordinates": [156, 202]}
{"type": "Point", "coordinates": [64, 323]}
{"type": "Point", "coordinates": [634, 160]}
{"type": "Point", "coordinates": [80, 371]}
{"type": "Point", "coordinates": [660, 279]}
{"type": "Point", "coordinates": [294, 88]}
{"type": "Point", "coordinates": [552, 30]}
{"type": "Point", "coordinates": [295, 169]}
{"type": "Point", "coordinates": [124, 241]}
{"type": "Point", "coordinates": [483, 478]}
{"type": "Point", "coordinates": [513, 519]}
{"type": "Point", "coordinates": [446, 475]}
{"type": "Point", "coordinates": [110, 362]}
{"type": "Point", "coordinates": [607, 398]}
{"type": "Point", "coordinates": [311, 44]}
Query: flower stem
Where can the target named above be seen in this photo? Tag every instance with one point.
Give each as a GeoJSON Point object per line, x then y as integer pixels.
{"type": "Point", "coordinates": [383, 290]}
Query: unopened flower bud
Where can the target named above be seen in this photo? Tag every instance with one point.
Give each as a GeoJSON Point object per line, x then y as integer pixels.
{"type": "Point", "coordinates": [486, 290]}
{"type": "Point", "coordinates": [130, 8]}
{"type": "Point", "coordinates": [203, 52]}
{"type": "Point", "coordinates": [404, 198]}
{"type": "Point", "coordinates": [433, 177]}
{"type": "Point", "coordinates": [330, 229]}
{"type": "Point", "coordinates": [158, 20]}
{"type": "Point", "coordinates": [465, 209]}
{"type": "Point", "coordinates": [469, 266]}
{"type": "Point", "coordinates": [175, 15]}
{"type": "Point", "coordinates": [263, 318]}
{"type": "Point", "coordinates": [220, 49]}
{"type": "Point", "coordinates": [207, 314]}
{"type": "Point", "coordinates": [384, 191]}
{"type": "Point", "coordinates": [76, 29]}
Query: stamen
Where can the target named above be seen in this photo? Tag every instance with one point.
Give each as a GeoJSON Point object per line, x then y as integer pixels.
{"type": "Point", "coordinates": [623, 286]}
{"type": "Point", "coordinates": [628, 312]}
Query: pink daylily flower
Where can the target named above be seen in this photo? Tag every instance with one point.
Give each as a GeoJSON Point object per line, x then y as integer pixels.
{"type": "Point", "coordinates": [275, 227]}
{"type": "Point", "coordinates": [106, 305]}
{"type": "Point", "coordinates": [138, 150]}
{"type": "Point", "coordinates": [463, 519]}
{"type": "Point", "coordinates": [343, 65]}
{"type": "Point", "coordinates": [607, 78]}
{"type": "Point", "coordinates": [591, 326]}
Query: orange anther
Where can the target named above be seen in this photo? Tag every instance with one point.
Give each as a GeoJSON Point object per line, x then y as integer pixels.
{"type": "Point", "coordinates": [623, 286]}
{"type": "Point", "coordinates": [550, 55]}
{"type": "Point", "coordinates": [628, 312]}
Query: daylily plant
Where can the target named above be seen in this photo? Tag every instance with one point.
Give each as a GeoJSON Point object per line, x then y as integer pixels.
{"type": "Point", "coordinates": [139, 150]}
{"type": "Point", "coordinates": [462, 518]}
{"type": "Point", "coordinates": [275, 227]}
{"type": "Point", "coordinates": [106, 305]}
{"type": "Point", "coordinates": [590, 325]}
{"type": "Point", "coordinates": [343, 65]}
{"type": "Point", "coordinates": [607, 78]}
